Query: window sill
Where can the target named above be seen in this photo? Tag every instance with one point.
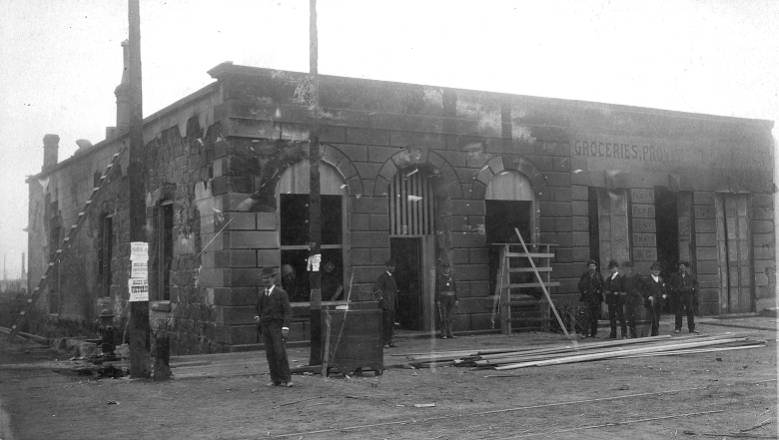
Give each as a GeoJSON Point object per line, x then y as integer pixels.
{"type": "Point", "coordinates": [161, 306]}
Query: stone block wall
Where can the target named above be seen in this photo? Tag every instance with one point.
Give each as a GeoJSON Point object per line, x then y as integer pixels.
{"type": "Point", "coordinates": [215, 158]}
{"type": "Point", "coordinates": [65, 198]}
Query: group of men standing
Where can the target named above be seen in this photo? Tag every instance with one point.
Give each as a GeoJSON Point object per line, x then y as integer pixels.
{"type": "Point", "coordinates": [625, 291]}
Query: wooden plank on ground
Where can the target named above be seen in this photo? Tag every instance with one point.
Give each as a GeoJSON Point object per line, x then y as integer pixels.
{"type": "Point", "coordinates": [617, 353]}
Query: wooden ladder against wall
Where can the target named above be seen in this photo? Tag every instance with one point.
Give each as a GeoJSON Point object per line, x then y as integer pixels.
{"type": "Point", "coordinates": [63, 247]}
{"type": "Point", "coordinates": [517, 278]}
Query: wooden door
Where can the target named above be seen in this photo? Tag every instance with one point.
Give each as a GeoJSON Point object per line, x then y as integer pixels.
{"type": "Point", "coordinates": [611, 220]}
{"type": "Point", "coordinates": [686, 229]}
{"type": "Point", "coordinates": [735, 260]}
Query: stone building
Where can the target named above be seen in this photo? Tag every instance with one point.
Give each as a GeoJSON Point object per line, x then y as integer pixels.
{"type": "Point", "coordinates": [421, 174]}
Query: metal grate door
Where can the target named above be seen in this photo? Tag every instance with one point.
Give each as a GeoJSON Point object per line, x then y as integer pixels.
{"type": "Point", "coordinates": [411, 204]}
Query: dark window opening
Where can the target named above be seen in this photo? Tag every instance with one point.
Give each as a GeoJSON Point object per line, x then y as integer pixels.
{"type": "Point", "coordinates": [55, 303]}
{"type": "Point", "coordinates": [501, 217]}
{"type": "Point", "coordinates": [667, 226]}
{"type": "Point", "coordinates": [295, 274]}
{"type": "Point", "coordinates": [294, 233]}
{"type": "Point", "coordinates": [164, 249]}
{"type": "Point", "coordinates": [592, 212]}
{"type": "Point", "coordinates": [294, 219]}
{"type": "Point", "coordinates": [56, 231]}
{"type": "Point", "coordinates": [104, 254]}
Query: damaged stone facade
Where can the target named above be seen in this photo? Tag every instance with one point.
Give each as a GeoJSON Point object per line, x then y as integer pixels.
{"type": "Point", "coordinates": [422, 174]}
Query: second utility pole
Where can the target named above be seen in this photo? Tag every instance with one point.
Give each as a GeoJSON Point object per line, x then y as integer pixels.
{"type": "Point", "coordinates": [139, 310]}
{"type": "Point", "coordinates": [314, 203]}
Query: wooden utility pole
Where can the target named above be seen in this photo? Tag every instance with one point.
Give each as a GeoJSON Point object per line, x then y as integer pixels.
{"type": "Point", "coordinates": [314, 204]}
{"type": "Point", "coordinates": [139, 310]}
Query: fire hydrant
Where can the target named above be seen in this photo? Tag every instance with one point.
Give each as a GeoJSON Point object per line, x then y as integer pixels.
{"type": "Point", "coordinates": [106, 329]}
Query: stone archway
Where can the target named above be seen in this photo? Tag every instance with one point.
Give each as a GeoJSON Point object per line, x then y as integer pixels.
{"type": "Point", "coordinates": [419, 186]}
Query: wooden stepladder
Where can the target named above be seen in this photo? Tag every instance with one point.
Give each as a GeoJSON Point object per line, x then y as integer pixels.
{"type": "Point", "coordinates": [517, 261]}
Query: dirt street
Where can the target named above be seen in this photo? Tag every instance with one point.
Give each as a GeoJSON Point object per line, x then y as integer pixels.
{"type": "Point", "coordinates": [728, 394]}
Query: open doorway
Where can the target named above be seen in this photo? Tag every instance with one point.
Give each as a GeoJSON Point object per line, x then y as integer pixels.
{"type": "Point", "coordinates": [501, 217]}
{"type": "Point", "coordinates": [667, 229]}
{"type": "Point", "coordinates": [407, 255]}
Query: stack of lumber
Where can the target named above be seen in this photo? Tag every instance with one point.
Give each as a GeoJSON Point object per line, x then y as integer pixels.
{"type": "Point", "coordinates": [555, 354]}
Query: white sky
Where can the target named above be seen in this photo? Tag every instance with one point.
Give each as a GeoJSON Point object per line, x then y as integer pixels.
{"type": "Point", "coordinates": [60, 60]}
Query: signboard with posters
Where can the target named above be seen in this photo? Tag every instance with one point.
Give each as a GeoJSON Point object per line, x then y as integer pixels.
{"type": "Point", "coordinates": [138, 284]}
{"type": "Point", "coordinates": [139, 289]}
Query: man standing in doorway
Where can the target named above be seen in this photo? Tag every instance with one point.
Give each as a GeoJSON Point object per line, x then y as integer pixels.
{"type": "Point", "coordinates": [631, 285]}
{"type": "Point", "coordinates": [684, 287]}
{"type": "Point", "coordinates": [446, 300]}
{"type": "Point", "coordinates": [655, 293]}
{"type": "Point", "coordinates": [273, 314]}
{"type": "Point", "coordinates": [591, 290]}
{"type": "Point", "coordinates": [385, 290]}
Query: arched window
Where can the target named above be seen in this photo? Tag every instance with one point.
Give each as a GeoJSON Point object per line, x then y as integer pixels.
{"type": "Point", "coordinates": [293, 189]}
{"type": "Point", "coordinates": [509, 201]}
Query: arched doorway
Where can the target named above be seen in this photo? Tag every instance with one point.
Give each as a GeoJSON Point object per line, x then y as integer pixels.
{"type": "Point", "coordinates": [412, 220]}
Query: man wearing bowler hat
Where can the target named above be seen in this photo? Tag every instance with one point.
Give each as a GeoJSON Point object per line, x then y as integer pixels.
{"type": "Point", "coordinates": [632, 286]}
{"type": "Point", "coordinates": [385, 290]}
{"type": "Point", "coordinates": [273, 315]}
{"type": "Point", "coordinates": [591, 294]}
{"type": "Point", "coordinates": [683, 291]}
{"type": "Point", "coordinates": [446, 300]}
{"type": "Point", "coordinates": [615, 299]}
{"type": "Point", "coordinates": [654, 295]}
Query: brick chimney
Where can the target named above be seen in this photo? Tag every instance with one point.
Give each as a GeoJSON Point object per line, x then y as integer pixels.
{"type": "Point", "coordinates": [122, 93]}
{"type": "Point", "coordinates": [51, 146]}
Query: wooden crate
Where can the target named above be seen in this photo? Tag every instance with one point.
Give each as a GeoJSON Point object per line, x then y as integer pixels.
{"type": "Point", "coordinates": [351, 340]}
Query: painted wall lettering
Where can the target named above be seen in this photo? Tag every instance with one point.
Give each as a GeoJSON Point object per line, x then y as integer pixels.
{"type": "Point", "coordinates": [644, 239]}
{"type": "Point", "coordinates": [625, 151]}
{"type": "Point", "coordinates": [644, 254]}
{"type": "Point", "coordinates": [643, 211]}
{"type": "Point", "coordinates": [642, 195]}
{"type": "Point", "coordinates": [719, 155]}
{"type": "Point", "coordinates": [643, 225]}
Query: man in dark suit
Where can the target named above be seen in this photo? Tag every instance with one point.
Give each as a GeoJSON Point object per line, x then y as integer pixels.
{"type": "Point", "coordinates": [683, 291]}
{"type": "Point", "coordinates": [446, 300]}
{"type": "Point", "coordinates": [632, 287]}
{"type": "Point", "coordinates": [654, 295]}
{"type": "Point", "coordinates": [273, 315]}
{"type": "Point", "coordinates": [386, 292]}
{"type": "Point", "coordinates": [591, 294]}
{"type": "Point", "coordinates": [615, 299]}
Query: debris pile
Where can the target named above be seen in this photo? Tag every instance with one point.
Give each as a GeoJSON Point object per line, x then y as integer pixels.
{"type": "Point", "coordinates": [556, 354]}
